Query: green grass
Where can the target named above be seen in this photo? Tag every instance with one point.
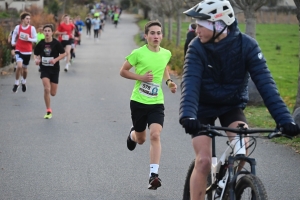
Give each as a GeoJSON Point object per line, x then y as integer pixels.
{"type": "Point", "coordinates": [283, 64]}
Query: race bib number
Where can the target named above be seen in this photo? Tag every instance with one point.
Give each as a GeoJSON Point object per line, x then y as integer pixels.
{"type": "Point", "coordinates": [65, 37]}
{"type": "Point", "coordinates": [149, 89]}
{"type": "Point", "coordinates": [46, 61]}
{"type": "Point", "coordinates": [22, 36]}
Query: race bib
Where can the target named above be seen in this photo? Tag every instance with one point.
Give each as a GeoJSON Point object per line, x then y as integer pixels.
{"type": "Point", "coordinates": [46, 61]}
{"type": "Point", "coordinates": [149, 89]}
{"type": "Point", "coordinates": [65, 37]}
{"type": "Point", "coordinates": [23, 35]}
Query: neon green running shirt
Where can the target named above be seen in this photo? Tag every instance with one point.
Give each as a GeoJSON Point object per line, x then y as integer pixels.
{"type": "Point", "coordinates": [145, 60]}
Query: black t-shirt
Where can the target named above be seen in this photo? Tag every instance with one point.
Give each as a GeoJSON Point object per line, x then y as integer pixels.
{"type": "Point", "coordinates": [88, 22]}
{"type": "Point", "coordinates": [48, 51]}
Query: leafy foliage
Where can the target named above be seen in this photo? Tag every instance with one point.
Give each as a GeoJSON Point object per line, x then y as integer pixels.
{"type": "Point", "coordinates": [39, 17]}
{"type": "Point", "coordinates": [4, 48]}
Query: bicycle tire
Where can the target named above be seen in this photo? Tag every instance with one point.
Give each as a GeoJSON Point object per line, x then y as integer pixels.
{"type": "Point", "coordinates": [186, 189]}
{"type": "Point", "coordinates": [253, 182]}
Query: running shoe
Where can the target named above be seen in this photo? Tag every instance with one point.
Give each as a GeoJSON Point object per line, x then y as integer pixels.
{"type": "Point", "coordinates": [15, 88]}
{"type": "Point", "coordinates": [154, 182]}
{"type": "Point", "coordinates": [48, 115]}
{"type": "Point", "coordinates": [24, 87]}
{"type": "Point", "coordinates": [130, 144]}
{"type": "Point", "coordinates": [15, 69]}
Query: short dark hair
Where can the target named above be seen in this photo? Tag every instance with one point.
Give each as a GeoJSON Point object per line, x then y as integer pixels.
{"type": "Point", "coordinates": [152, 23]}
{"type": "Point", "coordinates": [48, 26]}
{"type": "Point", "coordinates": [194, 26]}
{"type": "Point", "coordinates": [23, 15]}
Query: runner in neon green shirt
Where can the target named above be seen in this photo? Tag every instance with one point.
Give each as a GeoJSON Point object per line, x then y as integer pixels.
{"type": "Point", "coordinates": [40, 35]}
{"type": "Point", "coordinates": [147, 99]}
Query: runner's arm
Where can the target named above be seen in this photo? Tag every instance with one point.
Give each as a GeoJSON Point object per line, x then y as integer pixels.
{"type": "Point", "coordinates": [14, 35]}
{"type": "Point", "coordinates": [33, 34]}
{"type": "Point", "coordinates": [124, 72]}
{"type": "Point", "coordinates": [169, 82]}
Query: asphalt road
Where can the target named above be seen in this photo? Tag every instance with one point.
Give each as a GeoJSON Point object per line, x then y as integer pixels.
{"type": "Point", "coordinates": [81, 153]}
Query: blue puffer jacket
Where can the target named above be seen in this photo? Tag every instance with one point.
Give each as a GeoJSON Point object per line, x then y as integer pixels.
{"type": "Point", "coordinates": [215, 78]}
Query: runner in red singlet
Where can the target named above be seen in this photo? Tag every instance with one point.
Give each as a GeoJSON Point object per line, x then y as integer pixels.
{"type": "Point", "coordinates": [66, 34]}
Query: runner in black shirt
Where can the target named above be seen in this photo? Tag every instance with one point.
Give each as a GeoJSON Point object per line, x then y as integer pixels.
{"type": "Point", "coordinates": [88, 23]}
{"type": "Point", "coordinates": [47, 54]}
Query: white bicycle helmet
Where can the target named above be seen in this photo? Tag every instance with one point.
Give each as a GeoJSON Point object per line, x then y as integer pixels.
{"type": "Point", "coordinates": [212, 10]}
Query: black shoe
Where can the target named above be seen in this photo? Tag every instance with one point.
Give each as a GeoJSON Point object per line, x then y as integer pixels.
{"type": "Point", "coordinates": [154, 182]}
{"type": "Point", "coordinates": [24, 88]}
{"type": "Point", "coordinates": [15, 88]}
{"type": "Point", "coordinates": [15, 69]}
{"type": "Point", "coordinates": [130, 144]}
{"type": "Point", "coordinates": [12, 60]}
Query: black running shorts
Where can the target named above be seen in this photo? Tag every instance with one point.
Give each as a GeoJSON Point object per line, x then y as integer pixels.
{"type": "Point", "coordinates": [143, 114]}
{"type": "Point", "coordinates": [51, 74]}
{"type": "Point", "coordinates": [25, 58]}
{"type": "Point", "coordinates": [66, 42]}
{"type": "Point", "coordinates": [236, 114]}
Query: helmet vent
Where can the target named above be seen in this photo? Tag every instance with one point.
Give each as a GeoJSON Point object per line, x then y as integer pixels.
{"type": "Point", "coordinates": [198, 10]}
{"type": "Point", "coordinates": [213, 12]}
{"type": "Point", "coordinates": [209, 3]}
{"type": "Point", "coordinates": [230, 15]}
{"type": "Point", "coordinates": [225, 8]}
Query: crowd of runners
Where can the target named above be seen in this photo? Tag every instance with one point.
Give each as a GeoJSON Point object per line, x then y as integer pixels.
{"type": "Point", "coordinates": [150, 61]}
{"type": "Point", "coordinates": [52, 42]}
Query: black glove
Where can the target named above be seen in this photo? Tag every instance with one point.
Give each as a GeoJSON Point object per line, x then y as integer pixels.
{"type": "Point", "coordinates": [290, 128]}
{"type": "Point", "coordinates": [191, 125]}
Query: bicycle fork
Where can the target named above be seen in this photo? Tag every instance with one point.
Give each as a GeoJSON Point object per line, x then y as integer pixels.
{"type": "Point", "coordinates": [232, 176]}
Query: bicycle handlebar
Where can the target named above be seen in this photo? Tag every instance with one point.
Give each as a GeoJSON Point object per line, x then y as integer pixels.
{"type": "Point", "coordinates": [214, 131]}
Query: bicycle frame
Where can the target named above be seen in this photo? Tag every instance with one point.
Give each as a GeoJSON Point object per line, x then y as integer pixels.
{"type": "Point", "coordinates": [230, 177]}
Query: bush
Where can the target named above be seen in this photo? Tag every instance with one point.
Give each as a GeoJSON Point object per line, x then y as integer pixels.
{"type": "Point", "coordinates": [177, 59]}
{"type": "Point", "coordinates": [4, 48]}
{"type": "Point", "coordinates": [39, 18]}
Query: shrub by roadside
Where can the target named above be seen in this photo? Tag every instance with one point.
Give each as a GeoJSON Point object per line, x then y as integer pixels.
{"type": "Point", "coordinates": [4, 48]}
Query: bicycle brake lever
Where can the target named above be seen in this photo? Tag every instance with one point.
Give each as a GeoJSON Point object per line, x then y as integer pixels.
{"type": "Point", "coordinates": [276, 134]}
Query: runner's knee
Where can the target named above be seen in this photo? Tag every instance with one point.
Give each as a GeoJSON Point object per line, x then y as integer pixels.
{"type": "Point", "coordinates": [140, 138]}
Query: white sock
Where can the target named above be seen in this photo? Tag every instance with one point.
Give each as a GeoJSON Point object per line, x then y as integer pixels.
{"type": "Point", "coordinates": [17, 82]}
{"type": "Point", "coordinates": [154, 168]}
{"type": "Point", "coordinates": [131, 135]}
{"type": "Point", "coordinates": [23, 81]}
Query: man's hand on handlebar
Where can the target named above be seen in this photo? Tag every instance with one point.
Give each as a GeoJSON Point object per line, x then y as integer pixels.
{"type": "Point", "coordinates": [290, 128]}
{"type": "Point", "coordinates": [191, 125]}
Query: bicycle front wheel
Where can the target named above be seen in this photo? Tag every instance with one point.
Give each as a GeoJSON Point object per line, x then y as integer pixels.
{"type": "Point", "coordinates": [186, 190]}
{"type": "Point", "coordinates": [250, 187]}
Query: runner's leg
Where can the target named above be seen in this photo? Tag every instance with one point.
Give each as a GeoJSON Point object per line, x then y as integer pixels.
{"type": "Point", "coordinates": [47, 88]}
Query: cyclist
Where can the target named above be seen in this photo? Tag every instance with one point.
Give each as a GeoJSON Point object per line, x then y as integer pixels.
{"type": "Point", "coordinates": [23, 37]}
{"type": "Point", "coordinates": [47, 54]}
{"type": "Point", "coordinates": [147, 99]}
{"type": "Point", "coordinates": [217, 67]}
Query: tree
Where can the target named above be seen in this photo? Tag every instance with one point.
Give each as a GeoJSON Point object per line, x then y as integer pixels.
{"type": "Point", "coordinates": [297, 104]}
{"type": "Point", "coordinates": [54, 7]}
{"type": "Point", "coordinates": [249, 8]}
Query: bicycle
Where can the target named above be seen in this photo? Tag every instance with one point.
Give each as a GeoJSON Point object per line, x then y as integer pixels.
{"type": "Point", "coordinates": [223, 182]}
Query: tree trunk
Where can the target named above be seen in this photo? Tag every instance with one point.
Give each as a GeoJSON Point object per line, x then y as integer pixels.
{"type": "Point", "coordinates": [163, 23]}
{"type": "Point", "coordinates": [297, 104]}
{"type": "Point", "coordinates": [178, 35]}
{"type": "Point", "coordinates": [170, 21]}
{"type": "Point", "coordinates": [250, 22]}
